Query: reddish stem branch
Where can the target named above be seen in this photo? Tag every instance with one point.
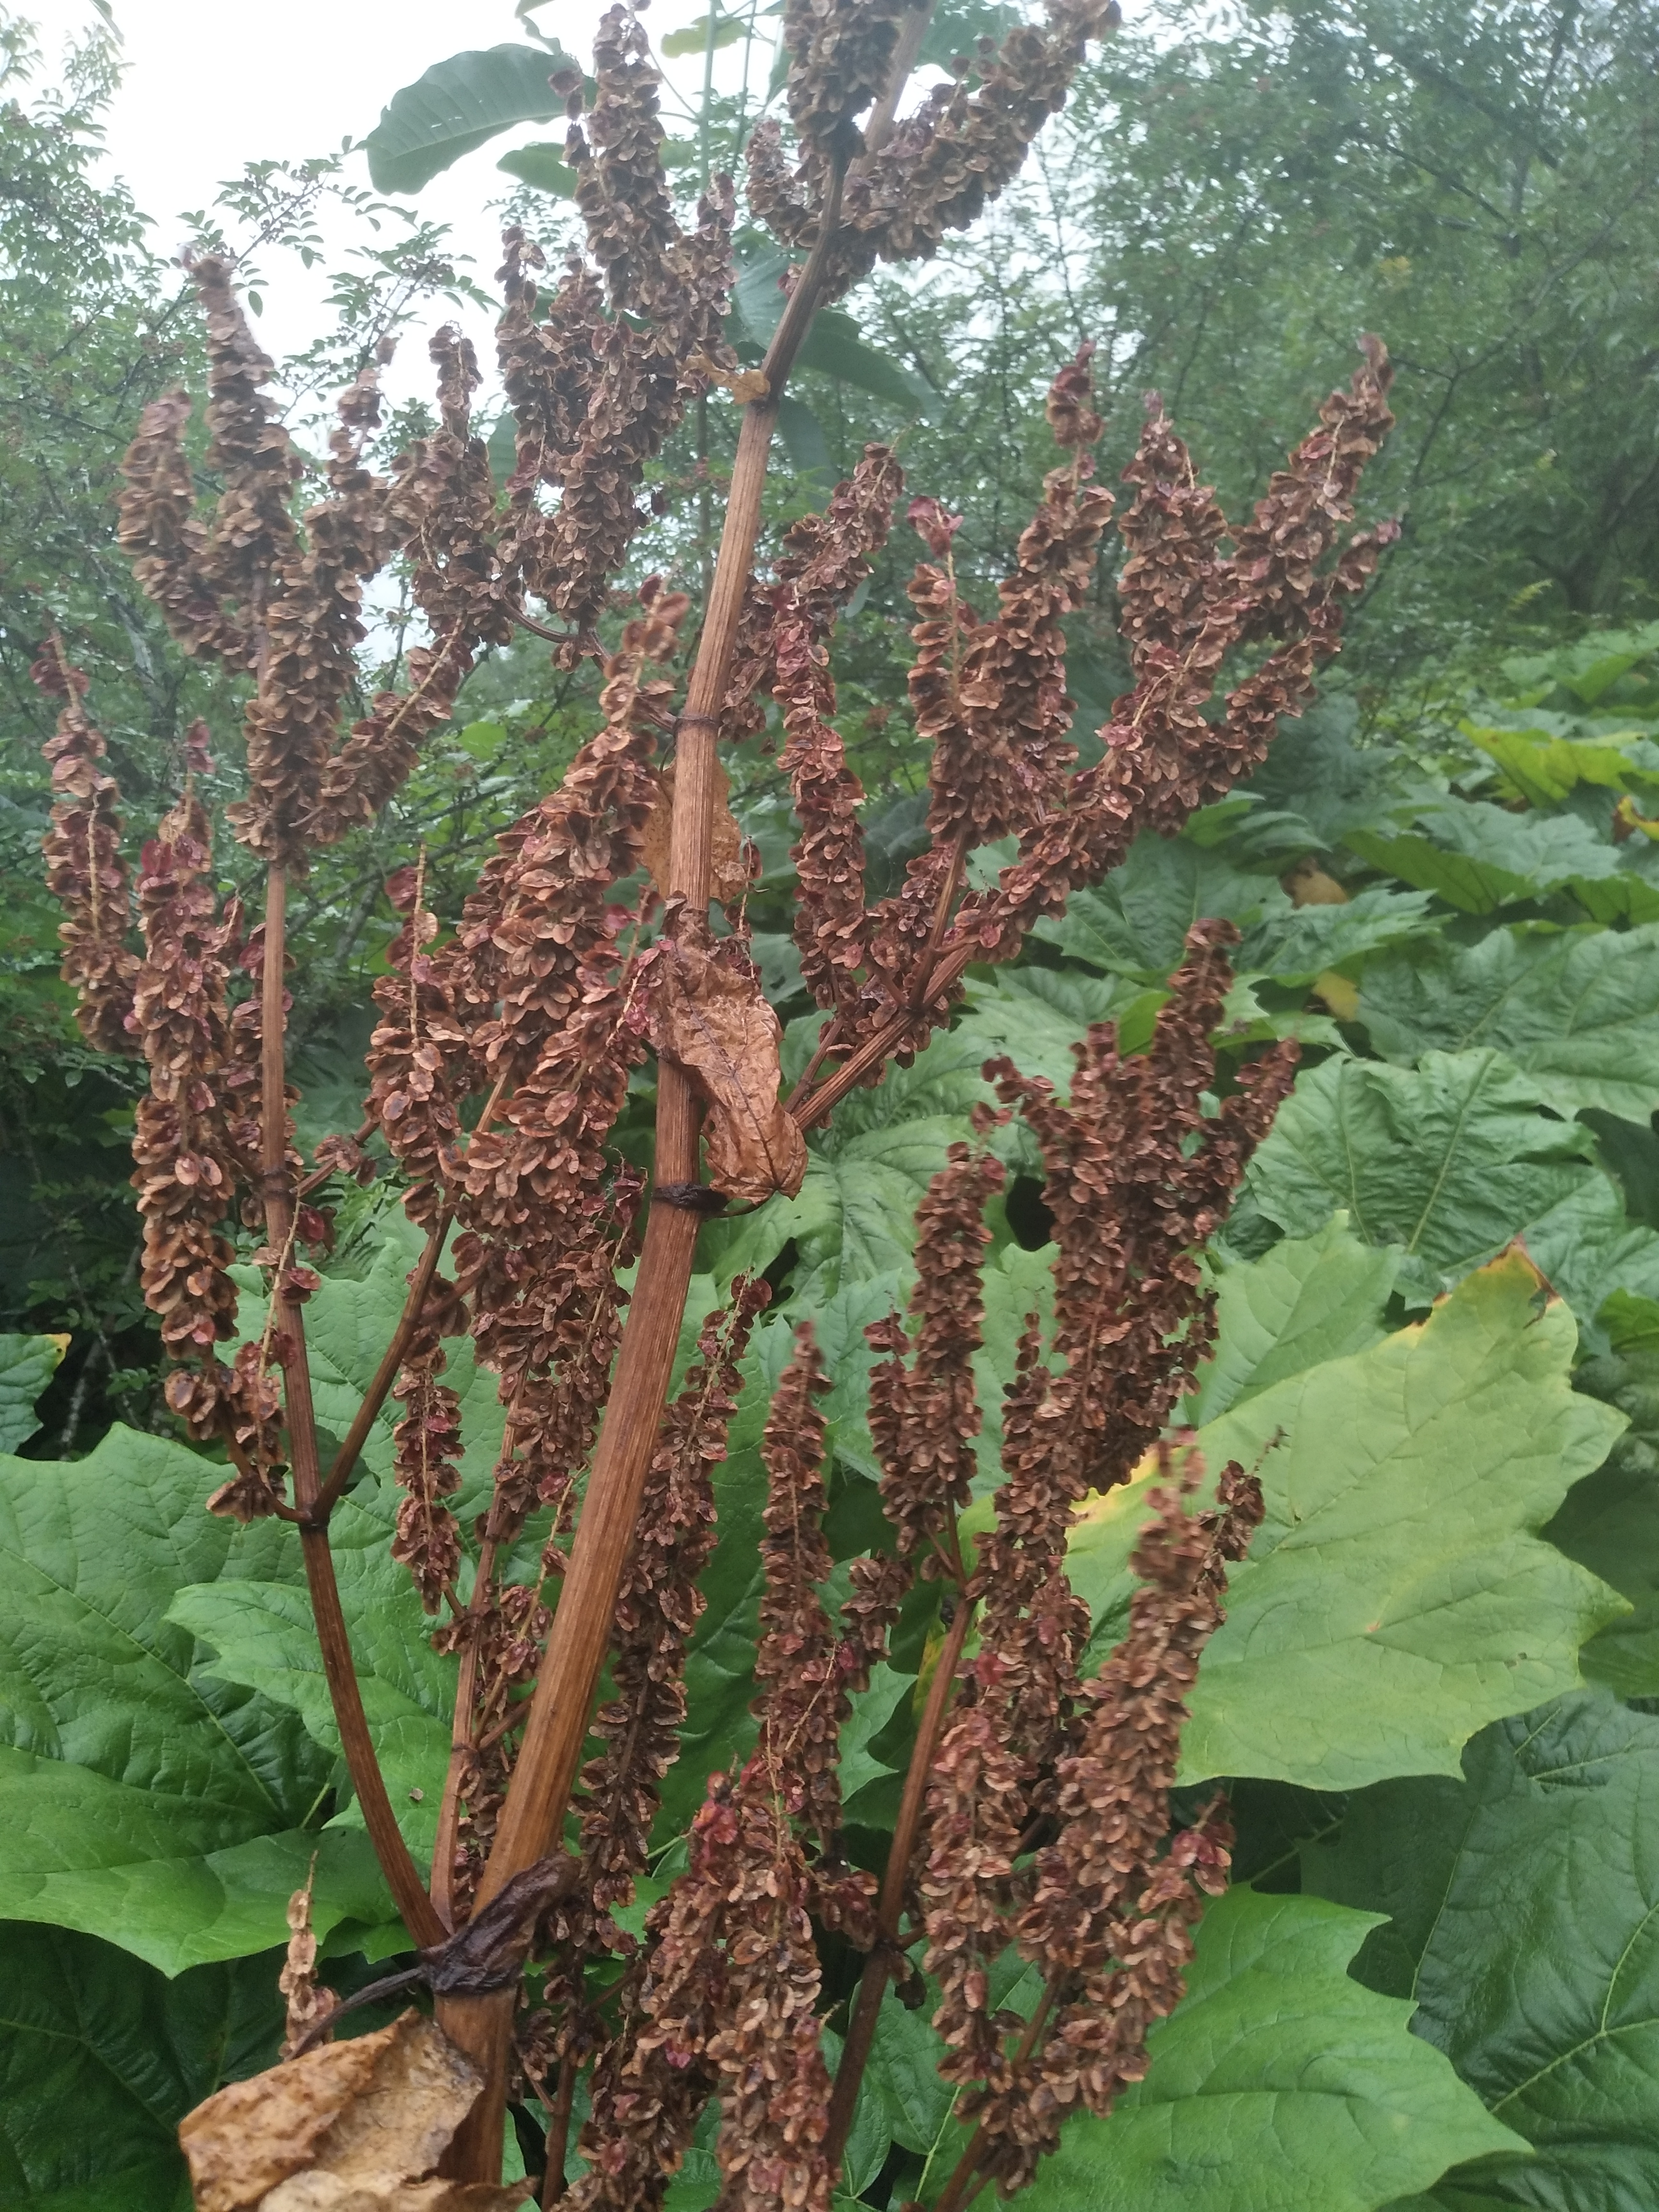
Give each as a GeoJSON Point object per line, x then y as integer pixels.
{"type": "Point", "coordinates": [889, 1907]}
{"type": "Point", "coordinates": [290, 1337]}
{"type": "Point", "coordinates": [558, 2133]}
{"type": "Point", "coordinates": [384, 1375]}
{"type": "Point", "coordinates": [958, 2194]}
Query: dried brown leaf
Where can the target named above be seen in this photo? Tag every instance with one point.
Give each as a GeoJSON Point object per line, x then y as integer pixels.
{"type": "Point", "coordinates": [352, 2127]}
{"type": "Point", "coordinates": [709, 1019]}
{"type": "Point", "coordinates": [728, 868]}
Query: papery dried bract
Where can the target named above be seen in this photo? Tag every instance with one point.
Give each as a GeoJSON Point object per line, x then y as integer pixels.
{"type": "Point", "coordinates": [352, 2127]}
{"type": "Point", "coordinates": [708, 1018]}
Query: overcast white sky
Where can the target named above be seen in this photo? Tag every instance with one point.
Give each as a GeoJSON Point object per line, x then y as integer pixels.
{"type": "Point", "coordinates": [210, 86]}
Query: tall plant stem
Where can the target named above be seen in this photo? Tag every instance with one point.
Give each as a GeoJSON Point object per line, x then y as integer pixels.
{"type": "Point", "coordinates": [890, 1905]}
{"type": "Point", "coordinates": [289, 1336]}
{"type": "Point", "coordinates": [533, 1815]}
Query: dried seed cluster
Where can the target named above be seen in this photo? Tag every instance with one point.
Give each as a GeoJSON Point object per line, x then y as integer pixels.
{"type": "Point", "coordinates": [500, 1061]}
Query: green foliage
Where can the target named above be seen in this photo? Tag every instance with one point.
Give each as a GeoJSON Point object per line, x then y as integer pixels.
{"type": "Point", "coordinates": [27, 1365]}
{"type": "Point", "coordinates": [1576, 1013]}
{"type": "Point", "coordinates": [100, 2058]}
{"type": "Point", "coordinates": [1397, 1596]}
{"type": "Point", "coordinates": [1281, 2085]}
{"type": "Point", "coordinates": [1442, 1548]}
{"type": "Point", "coordinates": [1523, 1902]}
{"type": "Point", "coordinates": [455, 107]}
{"type": "Point", "coordinates": [142, 1798]}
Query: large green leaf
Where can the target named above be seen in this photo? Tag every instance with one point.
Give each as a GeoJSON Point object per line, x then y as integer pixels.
{"type": "Point", "coordinates": [1578, 1011]}
{"type": "Point", "coordinates": [27, 1363]}
{"type": "Point", "coordinates": [1295, 947]}
{"type": "Point", "coordinates": [1450, 1161]}
{"type": "Point", "coordinates": [1396, 1597]}
{"type": "Point", "coordinates": [854, 1217]}
{"type": "Point", "coordinates": [262, 1635]}
{"type": "Point", "coordinates": [456, 106]}
{"type": "Point", "coordinates": [1137, 920]}
{"type": "Point", "coordinates": [833, 346]}
{"type": "Point", "coordinates": [1609, 1523]}
{"type": "Point", "coordinates": [101, 2057]}
{"type": "Point", "coordinates": [1038, 1015]}
{"type": "Point", "coordinates": [1278, 2085]}
{"type": "Point", "coordinates": [1307, 1300]}
{"type": "Point", "coordinates": [1479, 857]}
{"type": "Point", "coordinates": [1524, 1922]}
{"type": "Point", "coordinates": [141, 1798]}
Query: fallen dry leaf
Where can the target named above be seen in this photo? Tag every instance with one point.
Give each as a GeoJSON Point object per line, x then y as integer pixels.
{"type": "Point", "coordinates": [352, 2127]}
{"type": "Point", "coordinates": [709, 1018]}
{"type": "Point", "coordinates": [728, 870]}
{"type": "Point", "coordinates": [1309, 885]}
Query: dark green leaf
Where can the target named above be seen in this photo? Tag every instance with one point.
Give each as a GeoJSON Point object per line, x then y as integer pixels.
{"type": "Point", "coordinates": [27, 1363]}
{"type": "Point", "coordinates": [1295, 947]}
{"type": "Point", "coordinates": [1523, 1904]}
{"type": "Point", "coordinates": [100, 2058]}
{"type": "Point", "coordinates": [456, 106]}
{"type": "Point", "coordinates": [543, 167]}
{"type": "Point", "coordinates": [1578, 1011]}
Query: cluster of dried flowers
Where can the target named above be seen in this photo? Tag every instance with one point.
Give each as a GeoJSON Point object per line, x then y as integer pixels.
{"type": "Point", "coordinates": [1038, 1811]}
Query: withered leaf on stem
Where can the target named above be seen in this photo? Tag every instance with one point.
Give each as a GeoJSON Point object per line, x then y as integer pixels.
{"type": "Point", "coordinates": [728, 868]}
{"type": "Point", "coordinates": [353, 2127]}
{"type": "Point", "coordinates": [709, 1019]}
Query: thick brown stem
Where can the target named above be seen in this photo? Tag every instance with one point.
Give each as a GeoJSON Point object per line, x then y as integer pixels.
{"type": "Point", "coordinates": [889, 1907]}
{"type": "Point", "coordinates": [557, 1725]}
{"type": "Point", "coordinates": [384, 1375]}
{"type": "Point", "coordinates": [290, 1337]}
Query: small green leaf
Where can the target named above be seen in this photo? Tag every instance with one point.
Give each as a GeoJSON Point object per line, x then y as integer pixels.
{"type": "Point", "coordinates": [1523, 1901]}
{"type": "Point", "coordinates": [27, 1363]}
{"type": "Point", "coordinates": [456, 106]}
{"type": "Point", "coordinates": [543, 167]}
{"type": "Point", "coordinates": [1278, 2085]}
{"type": "Point", "coordinates": [696, 38]}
